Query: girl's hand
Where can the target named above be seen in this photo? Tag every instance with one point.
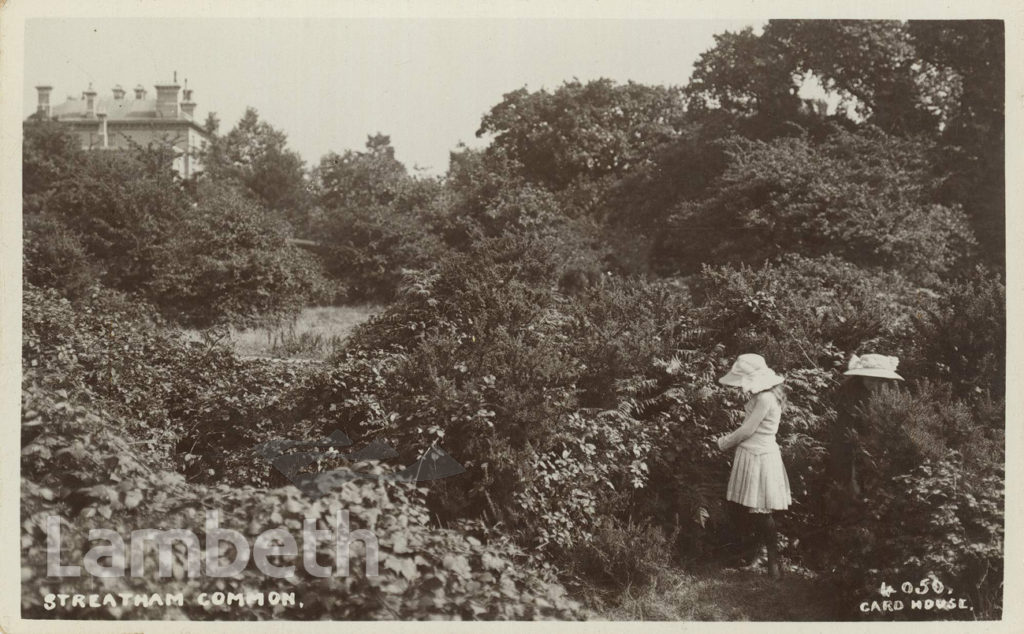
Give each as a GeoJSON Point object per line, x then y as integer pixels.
{"type": "Point", "coordinates": [720, 441]}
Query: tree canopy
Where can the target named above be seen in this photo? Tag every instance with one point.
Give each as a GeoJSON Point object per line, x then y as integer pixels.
{"type": "Point", "coordinates": [942, 80]}
{"type": "Point", "coordinates": [583, 130]}
{"type": "Point", "coordinates": [256, 155]}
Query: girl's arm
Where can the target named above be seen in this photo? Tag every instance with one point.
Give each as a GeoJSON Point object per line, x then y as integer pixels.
{"type": "Point", "coordinates": [749, 425]}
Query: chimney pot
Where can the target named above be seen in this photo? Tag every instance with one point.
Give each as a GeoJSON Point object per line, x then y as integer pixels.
{"type": "Point", "coordinates": [43, 106]}
{"type": "Point", "coordinates": [167, 100]}
{"type": "Point", "coordinates": [90, 102]}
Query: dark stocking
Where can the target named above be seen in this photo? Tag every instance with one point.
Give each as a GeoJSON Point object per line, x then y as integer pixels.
{"type": "Point", "coordinates": [752, 543]}
{"type": "Point", "coordinates": [766, 531]}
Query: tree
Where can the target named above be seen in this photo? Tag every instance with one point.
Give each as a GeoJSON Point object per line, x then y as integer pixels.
{"type": "Point", "coordinates": [118, 208]}
{"type": "Point", "coordinates": [745, 75]}
{"type": "Point", "coordinates": [256, 155]}
{"type": "Point", "coordinates": [974, 137]}
{"type": "Point", "coordinates": [583, 131]}
{"type": "Point", "coordinates": [375, 219]}
{"type": "Point", "coordinates": [50, 154]}
{"type": "Point", "coordinates": [941, 79]}
{"type": "Point", "coordinates": [874, 65]}
{"type": "Point", "coordinates": [373, 177]}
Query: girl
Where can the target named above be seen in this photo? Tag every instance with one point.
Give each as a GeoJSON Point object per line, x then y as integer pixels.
{"type": "Point", "coordinates": [866, 375]}
{"type": "Point", "coordinates": [758, 480]}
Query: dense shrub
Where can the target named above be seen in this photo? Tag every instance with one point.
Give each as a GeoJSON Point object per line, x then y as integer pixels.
{"type": "Point", "coordinates": [203, 254]}
{"type": "Point", "coordinates": [487, 358]}
{"type": "Point", "coordinates": [114, 405]}
{"type": "Point", "coordinates": [115, 349]}
{"type": "Point", "coordinates": [933, 500]}
{"type": "Point", "coordinates": [617, 329]}
{"type": "Point", "coordinates": [865, 197]}
{"type": "Point", "coordinates": [229, 262]}
{"type": "Point", "coordinates": [55, 257]}
{"type": "Point", "coordinates": [370, 247]}
{"type": "Point", "coordinates": [962, 338]}
{"type": "Point", "coordinates": [123, 206]}
{"type": "Point", "coordinates": [909, 428]}
{"type": "Point", "coordinates": [49, 156]}
{"type": "Point", "coordinates": [801, 312]}
{"type": "Point", "coordinates": [478, 367]}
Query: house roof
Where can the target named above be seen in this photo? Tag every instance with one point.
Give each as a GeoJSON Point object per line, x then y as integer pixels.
{"type": "Point", "coordinates": [116, 109]}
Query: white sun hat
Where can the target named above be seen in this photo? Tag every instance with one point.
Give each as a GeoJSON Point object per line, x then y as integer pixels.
{"type": "Point", "coordinates": [876, 365]}
{"type": "Point", "coordinates": [752, 374]}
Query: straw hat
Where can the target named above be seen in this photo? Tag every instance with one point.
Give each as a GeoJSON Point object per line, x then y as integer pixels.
{"type": "Point", "coordinates": [752, 374]}
{"type": "Point", "coordinates": [876, 365]}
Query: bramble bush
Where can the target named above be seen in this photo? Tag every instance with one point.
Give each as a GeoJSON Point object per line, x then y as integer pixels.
{"type": "Point", "coordinates": [110, 397]}
{"type": "Point", "coordinates": [81, 468]}
{"type": "Point", "coordinates": [199, 408]}
{"type": "Point", "coordinates": [487, 358]}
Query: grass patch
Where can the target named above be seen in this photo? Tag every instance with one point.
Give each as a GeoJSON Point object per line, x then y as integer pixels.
{"type": "Point", "coordinates": [313, 334]}
{"type": "Point", "coordinates": [721, 595]}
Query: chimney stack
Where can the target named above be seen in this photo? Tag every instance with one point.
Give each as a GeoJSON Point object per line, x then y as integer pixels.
{"type": "Point", "coordinates": [43, 108]}
{"type": "Point", "coordinates": [90, 102]}
{"type": "Point", "coordinates": [187, 105]}
{"type": "Point", "coordinates": [140, 92]}
{"type": "Point", "coordinates": [167, 99]}
{"type": "Point", "coordinates": [118, 92]}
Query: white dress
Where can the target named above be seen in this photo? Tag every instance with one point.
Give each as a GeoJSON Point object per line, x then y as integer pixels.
{"type": "Point", "coordinates": [758, 480]}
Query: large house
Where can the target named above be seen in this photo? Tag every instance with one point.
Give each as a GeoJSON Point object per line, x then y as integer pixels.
{"type": "Point", "coordinates": [119, 121]}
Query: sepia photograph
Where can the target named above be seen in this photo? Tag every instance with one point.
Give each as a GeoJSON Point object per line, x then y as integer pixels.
{"type": "Point", "coordinates": [330, 317]}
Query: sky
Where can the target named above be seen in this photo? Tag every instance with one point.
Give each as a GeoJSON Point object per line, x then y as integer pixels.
{"type": "Point", "coordinates": [329, 83]}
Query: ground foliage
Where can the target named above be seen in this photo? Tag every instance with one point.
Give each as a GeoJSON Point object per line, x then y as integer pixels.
{"type": "Point", "coordinates": [93, 400]}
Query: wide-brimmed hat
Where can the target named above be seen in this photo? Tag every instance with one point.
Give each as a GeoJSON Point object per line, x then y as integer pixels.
{"type": "Point", "coordinates": [752, 374]}
{"type": "Point", "coordinates": [876, 365]}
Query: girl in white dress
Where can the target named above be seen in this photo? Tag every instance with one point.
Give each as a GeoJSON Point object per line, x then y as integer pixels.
{"type": "Point", "coordinates": [758, 480]}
